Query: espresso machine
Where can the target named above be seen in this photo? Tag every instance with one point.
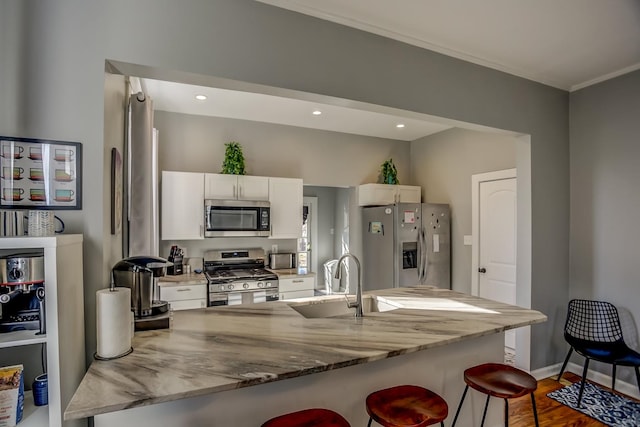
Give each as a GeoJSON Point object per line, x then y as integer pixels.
{"type": "Point", "coordinates": [140, 274]}
{"type": "Point", "coordinates": [22, 292]}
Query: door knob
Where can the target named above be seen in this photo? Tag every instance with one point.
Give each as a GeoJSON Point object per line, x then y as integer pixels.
{"type": "Point", "coordinates": [482, 270]}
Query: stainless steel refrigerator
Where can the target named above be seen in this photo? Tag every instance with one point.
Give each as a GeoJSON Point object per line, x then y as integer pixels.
{"type": "Point", "coordinates": [406, 244]}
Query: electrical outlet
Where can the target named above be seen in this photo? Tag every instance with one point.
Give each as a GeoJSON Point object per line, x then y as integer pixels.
{"type": "Point", "coordinates": [274, 249]}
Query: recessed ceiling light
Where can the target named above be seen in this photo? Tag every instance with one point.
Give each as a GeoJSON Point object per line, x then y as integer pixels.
{"type": "Point", "coordinates": [316, 112]}
{"type": "Point", "coordinates": [400, 125]}
{"type": "Point", "coordinates": [201, 97]}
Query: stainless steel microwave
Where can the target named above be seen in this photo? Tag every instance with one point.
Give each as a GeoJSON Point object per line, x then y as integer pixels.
{"type": "Point", "coordinates": [237, 218]}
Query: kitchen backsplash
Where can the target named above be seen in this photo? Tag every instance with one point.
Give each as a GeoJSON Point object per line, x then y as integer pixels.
{"type": "Point", "coordinates": [197, 248]}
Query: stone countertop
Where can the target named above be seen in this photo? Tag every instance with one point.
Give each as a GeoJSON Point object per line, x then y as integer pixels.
{"type": "Point", "coordinates": [223, 348]}
{"type": "Point", "coordinates": [290, 273]}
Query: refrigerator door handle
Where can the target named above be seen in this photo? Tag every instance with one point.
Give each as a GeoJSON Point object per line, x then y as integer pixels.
{"type": "Point", "coordinates": [422, 257]}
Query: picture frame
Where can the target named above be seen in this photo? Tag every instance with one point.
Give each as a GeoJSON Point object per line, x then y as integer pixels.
{"type": "Point", "coordinates": [40, 174]}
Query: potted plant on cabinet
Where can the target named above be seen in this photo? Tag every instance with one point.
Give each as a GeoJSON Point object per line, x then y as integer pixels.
{"type": "Point", "coordinates": [233, 159]}
{"type": "Point", "coordinates": [389, 173]}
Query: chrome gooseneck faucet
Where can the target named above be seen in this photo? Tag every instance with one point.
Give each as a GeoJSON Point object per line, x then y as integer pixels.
{"type": "Point", "coordinates": [358, 304]}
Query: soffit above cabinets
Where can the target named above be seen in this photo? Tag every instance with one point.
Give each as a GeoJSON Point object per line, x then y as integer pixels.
{"type": "Point", "coordinates": [180, 98]}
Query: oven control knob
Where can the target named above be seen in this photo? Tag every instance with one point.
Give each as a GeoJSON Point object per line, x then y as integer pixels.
{"type": "Point", "coordinates": [222, 287]}
{"type": "Point", "coordinates": [267, 285]}
{"type": "Point", "coordinates": [246, 286]}
{"type": "Point", "coordinates": [260, 285]}
{"type": "Point", "coordinates": [230, 287]}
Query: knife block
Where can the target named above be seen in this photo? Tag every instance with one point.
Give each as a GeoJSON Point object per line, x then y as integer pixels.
{"type": "Point", "coordinates": [177, 268]}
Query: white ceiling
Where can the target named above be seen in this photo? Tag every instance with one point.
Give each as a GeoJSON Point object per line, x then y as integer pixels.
{"type": "Point", "coordinates": [180, 98]}
{"type": "Point", "coordinates": [568, 44]}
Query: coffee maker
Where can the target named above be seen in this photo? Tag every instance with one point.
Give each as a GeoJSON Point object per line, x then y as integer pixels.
{"type": "Point", "coordinates": [22, 293]}
{"type": "Point", "coordinates": [140, 274]}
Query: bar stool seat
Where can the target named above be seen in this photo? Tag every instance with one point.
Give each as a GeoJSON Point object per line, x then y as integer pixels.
{"type": "Point", "coordinates": [314, 417]}
{"type": "Point", "coordinates": [499, 380]}
{"type": "Point", "coordinates": [406, 406]}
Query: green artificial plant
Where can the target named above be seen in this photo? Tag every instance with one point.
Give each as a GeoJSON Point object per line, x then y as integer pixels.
{"type": "Point", "coordinates": [389, 173]}
{"type": "Point", "coordinates": [233, 159]}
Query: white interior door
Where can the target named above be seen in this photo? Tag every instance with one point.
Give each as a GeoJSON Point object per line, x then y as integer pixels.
{"type": "Point", "coordinates": [497, 244]}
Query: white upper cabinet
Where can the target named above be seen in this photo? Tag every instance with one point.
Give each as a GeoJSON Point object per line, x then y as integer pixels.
{"type": "Point", "coordinates": [182, 206]}
{"type": "Point", "coordinates": [386, 194]}
{"type": "Point", "coordinates": [285, 197]}
{"type": "Point", "coordinates": [235, 187]}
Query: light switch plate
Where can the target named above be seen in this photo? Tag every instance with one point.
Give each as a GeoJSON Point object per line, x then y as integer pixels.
{"type": "Point", "coordinates": [468, 240]}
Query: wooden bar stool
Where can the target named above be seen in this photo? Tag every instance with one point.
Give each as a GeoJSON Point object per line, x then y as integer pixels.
{"type": "Point", "coordinates": [315, 417]}
{"type": "Point", "coordinates": [406, 406]}
{"type": "Point", "coordinates": [499, 380]}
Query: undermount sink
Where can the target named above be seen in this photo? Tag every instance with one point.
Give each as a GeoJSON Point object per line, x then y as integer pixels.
{"type": "Point", "coordinates": [338, 307]}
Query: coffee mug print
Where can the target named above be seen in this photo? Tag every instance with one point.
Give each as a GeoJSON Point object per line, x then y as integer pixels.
{"type": "Point", "coordinates": [12, 152]}
{"type": "Point", "coordinates": [63, 155]}
{"type": "Point", "coordinates": [35, 153]}
{"type": "Point", "coordinates": [36, 174]}
{"type": "Point", "coordinates": [63, 175]}
{"type": "Point", "coordinates": [12, 194]}
{"type": "Point", "coordinates": [64, 195]}
{"type": "Point", "coordinates": [37, 195]}
{"type": "Point", "coordinates": [12, 173]}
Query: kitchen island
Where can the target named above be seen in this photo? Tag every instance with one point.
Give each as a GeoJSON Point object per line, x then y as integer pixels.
{"type": "Point", "coordinates": [240, 365]}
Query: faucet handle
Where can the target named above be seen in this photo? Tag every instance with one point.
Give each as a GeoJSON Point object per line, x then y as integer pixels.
{"type": "Point", "coordinates": [350, 304]}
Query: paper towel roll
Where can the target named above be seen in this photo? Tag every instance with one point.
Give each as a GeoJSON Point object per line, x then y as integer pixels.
{"type": "Point", "coordinates": [113, 322]}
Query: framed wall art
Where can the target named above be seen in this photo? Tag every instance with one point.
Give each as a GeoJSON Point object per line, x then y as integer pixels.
{"type": "Point", "coordinates": [40, 174]}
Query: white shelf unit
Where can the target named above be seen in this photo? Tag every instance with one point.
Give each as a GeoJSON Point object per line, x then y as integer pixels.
{"type": "Point", "coordinates": [64, 304]}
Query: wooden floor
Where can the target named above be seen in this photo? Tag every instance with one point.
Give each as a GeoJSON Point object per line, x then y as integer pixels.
{"type": "Point", "coordinates": [550, 412]}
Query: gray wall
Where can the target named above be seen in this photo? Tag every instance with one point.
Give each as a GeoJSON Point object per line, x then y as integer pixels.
{"type": "Point", "coordinates": [443, 166]}
{"type": "Point", "coordinates": [196, 144]}
{"type": "Point", "coordinates": [605, 199]}
{"type": "Point", "coordinates": [60, 48]}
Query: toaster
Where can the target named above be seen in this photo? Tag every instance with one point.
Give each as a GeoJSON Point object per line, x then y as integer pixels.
{"type": "Point", "coordinates": [282, 261]}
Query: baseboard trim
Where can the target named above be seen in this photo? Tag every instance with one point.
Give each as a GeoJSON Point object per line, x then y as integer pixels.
{"type": "Point", "coordinates": [546, 372]}
{"type": "Point", "coordinates": [595, 376]}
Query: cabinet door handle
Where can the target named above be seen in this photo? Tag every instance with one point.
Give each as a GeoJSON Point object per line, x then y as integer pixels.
{"type": "Point", "coordinates": [235, 194]}
{"type": "Point", "coordinates": [184, 290]}
{"type": "Point", "coordinates": [298, 281]}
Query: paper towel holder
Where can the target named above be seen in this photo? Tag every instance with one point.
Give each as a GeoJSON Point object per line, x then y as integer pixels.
{"type": "Point", "coordinates": [98, 357]}
{"type": "Point", "coordinates": [112, 288]}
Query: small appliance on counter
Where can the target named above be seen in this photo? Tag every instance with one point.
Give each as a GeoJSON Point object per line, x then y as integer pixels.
{"type": "Point", "coordinates": [140, 274]}
{"type": "Point", "coordinates": [176, 257]}
{"type": "Point", "coordinates": [279, 261]}
{"type": "Point", "coordinates": [22, 292]}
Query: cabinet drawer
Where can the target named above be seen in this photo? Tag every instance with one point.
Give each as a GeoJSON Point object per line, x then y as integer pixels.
{"type": "Point", "coordinates": [297, 284]}
{"type": "Point", "coordinates": [186, 292]}
{"type": "Point", "coordinates": [189, 304]}
{"type": "Point", "coordinates": [296, 294]}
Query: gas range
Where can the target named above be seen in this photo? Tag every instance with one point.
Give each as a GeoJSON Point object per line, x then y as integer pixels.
{"type": "Point", "coordinates": [239, 276]}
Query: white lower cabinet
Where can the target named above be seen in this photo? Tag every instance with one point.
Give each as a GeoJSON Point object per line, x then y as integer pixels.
{"type": "Point", "coordinates": [184, 297]}
{"type": "Point", "coordinates": [299, 287]}
{"type": "Point", "coordinates": [62, 347]}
